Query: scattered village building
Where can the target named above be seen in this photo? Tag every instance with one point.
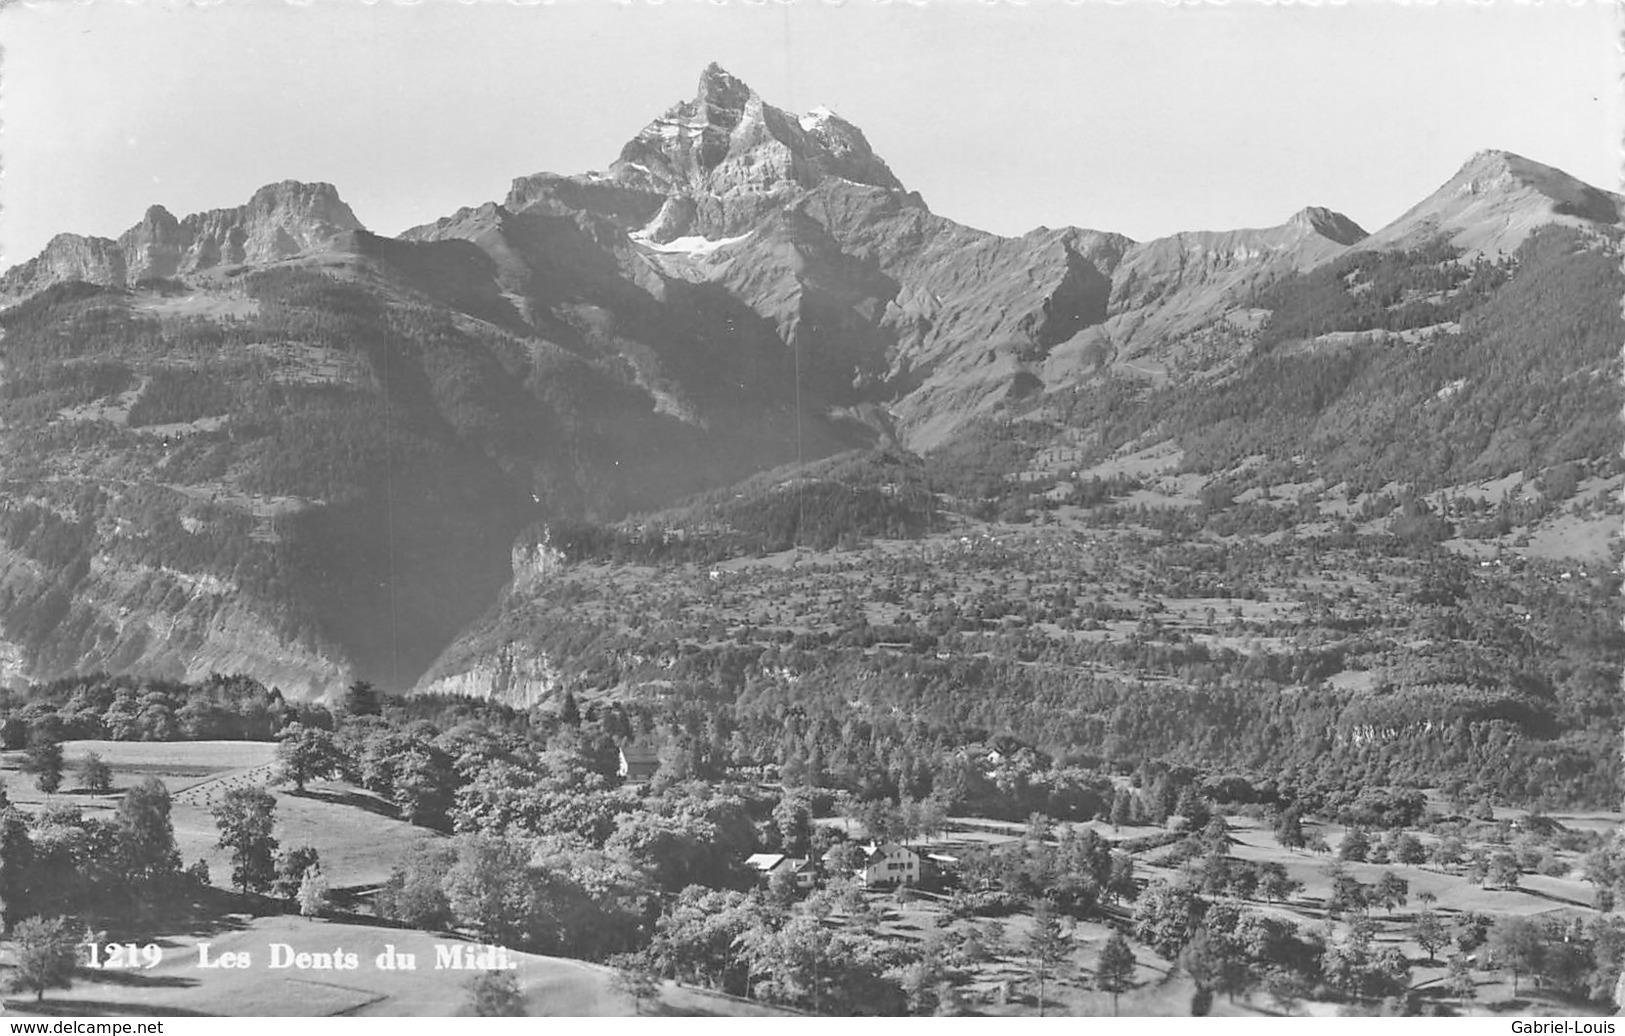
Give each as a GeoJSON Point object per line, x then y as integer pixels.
{"type": "Point", "coordinates": [937, 866]}
{"type": "Point", "coordinates": [889, 863]}
{"type": "Point", "coordinates": [802, 871]}
{"type": "Point", "coordinates": [638, 761]}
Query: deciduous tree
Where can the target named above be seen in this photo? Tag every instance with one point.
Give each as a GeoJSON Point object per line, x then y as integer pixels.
{"type": "Point", "coordinates": [1276, 884]}
{"type": "Point", "coordinates": [304, 754]}
{"type": "Point", "coordinates": [313, 893]}
{"type": "Point", "coordinates": [1517, 944]}
{"type": "Point", "coordinates": [1047, 947]}
{"type": "Point", "coordinates": [47, 954]}
{"type": "Point", "coordinates": [1114, 973]}
{"type": "Point", "coordinates": [1430, 934]}
{"type": "Point", "coordinates": [146, 855]}
{"type": "Point", "coordinates": [95, 776]}
{"type": "Point", "coordinates": [1167, 915]}
{"type": "Point", "coordinates": [245, 818]}
{"type": "Point", "coordinates": [495, 994]}
{"type": "Point", "coordinates": [291, 867]}
{"type": "Point", "coordinates": [1289, 830]}
{"type": "Point", "coordinates": [44, 761]}
{"type": "Point", "coordinates": [1391, 890]}
{"type": "Point", "coordinates": [1504, 871]}
{"type": "Point", "coordinates": [1356, 845]}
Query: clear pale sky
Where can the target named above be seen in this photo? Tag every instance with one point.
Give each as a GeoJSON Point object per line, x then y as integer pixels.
{"type": "Point", "coordinates": [1142, 118]}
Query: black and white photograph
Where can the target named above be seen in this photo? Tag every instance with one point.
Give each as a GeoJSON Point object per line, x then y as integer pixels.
{"type": "Point", "coordinates": [787, 509]}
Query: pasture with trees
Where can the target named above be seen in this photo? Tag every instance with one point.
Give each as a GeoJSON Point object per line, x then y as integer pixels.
{"type": "Point", "coordinates": [1123, 904]}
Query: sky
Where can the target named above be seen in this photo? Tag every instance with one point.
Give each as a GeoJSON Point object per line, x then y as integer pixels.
{"type": "Point", "coordinates": [1144, 118]}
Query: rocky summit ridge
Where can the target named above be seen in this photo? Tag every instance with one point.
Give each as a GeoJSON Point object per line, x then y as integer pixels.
{"type": "Point", "coordinates": [742, 288]}
{"type": "Point", "coordinates": [727, 155]}
{"type": "Point", "coordinates": [280, 220]}
{"type": "Point", "coordinates": [889, 307]}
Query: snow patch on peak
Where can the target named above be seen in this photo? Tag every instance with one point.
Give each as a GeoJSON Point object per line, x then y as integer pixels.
{"type": "Point", "coordinates": [691, 244]}
{"type": "Point", "coordinates": [817, 117]}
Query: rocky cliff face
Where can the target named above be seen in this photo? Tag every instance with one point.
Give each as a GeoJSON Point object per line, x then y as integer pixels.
{"type": "Point", "coordinates": [535, 563]}
{"type": "Point", "coordinates": [512, 672]}
{"type": "Point", "coordinates": [153, 247]}
{"type": "Point", "coordinates": [280, 220]}
{"type": "Point", "coordinates": [67, 257]}
{"type": "Point", "coordinates": [202, 625]}
{"type": "Point", "coordinates": [513, 675]}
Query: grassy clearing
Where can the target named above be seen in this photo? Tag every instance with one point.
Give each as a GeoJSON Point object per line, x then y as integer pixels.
{"type": "Point", "coordinates": [1589, 539]}
{"type": "Point", "coordinates": [551, 986]}
{"type": "Point", "coordinates": [154, 755]}
{"type": "Point", "coordinates": [356, 832]}
{"type": "Point", "coordinates": [180, 765]}
{"type": "Point", "coordinates": [205, 306]}
{"type": "Point", "coordinates": [358, 837]}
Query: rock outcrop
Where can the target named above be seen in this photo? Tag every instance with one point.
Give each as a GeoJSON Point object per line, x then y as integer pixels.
{"type": "Point", "coordinates": [67, 257]}
{"type": "Point", "coordinates": [513, 675]}
{"type": "Point", "coordinates": [281, 220]}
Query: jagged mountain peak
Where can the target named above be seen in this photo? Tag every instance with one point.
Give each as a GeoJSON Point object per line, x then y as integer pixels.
{"type": "Point", "coordinates": [729, 144]}
{"type": "Point", "coordinates": [722, 89]}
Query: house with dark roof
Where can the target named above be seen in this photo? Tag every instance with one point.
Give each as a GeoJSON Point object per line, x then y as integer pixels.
{"type": "Point", "coordinates": [639, 761]}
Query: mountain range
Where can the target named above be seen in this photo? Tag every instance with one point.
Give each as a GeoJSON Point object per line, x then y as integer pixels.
{"type": "Point", "coordinates": [266, 440]}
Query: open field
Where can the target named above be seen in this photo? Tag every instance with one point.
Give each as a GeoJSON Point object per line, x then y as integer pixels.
{"type": "Point", "coordinates": [187, 768]}
{"type": "Point", "coordinates": [178, 758]}
{"type": "Point", "coordinates": [179, 986]}
{"type": "Point", "coordinates": [1002, 984]}
{"type": "Point", "coordinates": [357, 833]}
